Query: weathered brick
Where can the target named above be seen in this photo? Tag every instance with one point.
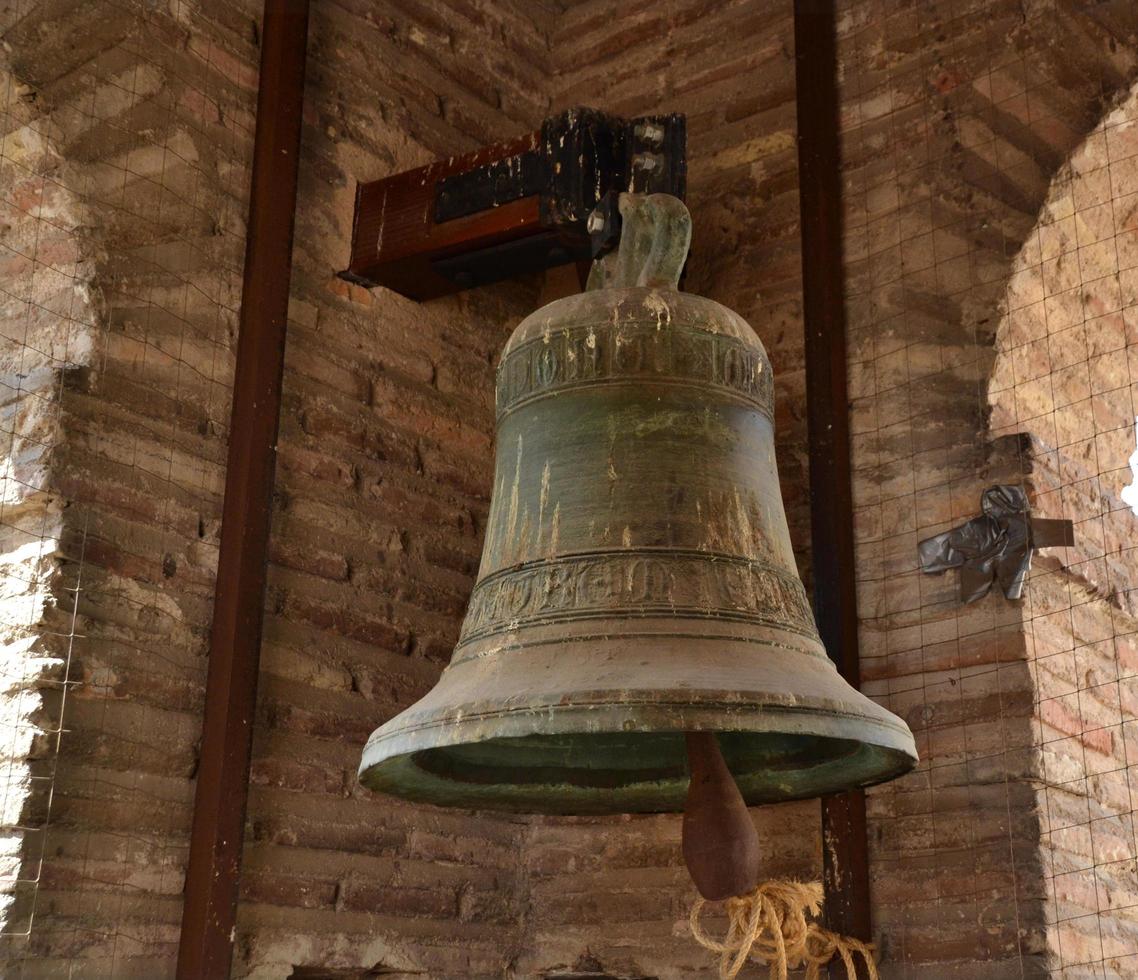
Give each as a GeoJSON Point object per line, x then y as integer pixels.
{"type": "Point", "coordinates": [385, 461]}
{"type": "Point", "coordinates": [274, 888]}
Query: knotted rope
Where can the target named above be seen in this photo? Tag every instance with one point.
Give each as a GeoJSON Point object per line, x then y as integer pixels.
{"type": "Point", "coordinates": [770, 924]}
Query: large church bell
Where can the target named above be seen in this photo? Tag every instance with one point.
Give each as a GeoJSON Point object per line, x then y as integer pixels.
{"type": "Point", "coordinates": [637, 581]}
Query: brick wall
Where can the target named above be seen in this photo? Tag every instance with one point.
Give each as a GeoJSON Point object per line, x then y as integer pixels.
{"type": "Point", "coordinates": [142, 199]}
{"type": "Point", "coordinates": [385, 467]}
{"type": "Point", "coordinates": [955, 118]}
{"type": "Point", "coordinates": [46, 319]}
{"type": "Point", "coordinates": [1067, 350]}
{"type": "Point", "coordinates": [382, 488]}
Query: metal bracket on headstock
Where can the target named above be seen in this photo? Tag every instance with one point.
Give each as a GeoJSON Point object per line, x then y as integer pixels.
{"type": "Point", "coordinates": [515, 207]}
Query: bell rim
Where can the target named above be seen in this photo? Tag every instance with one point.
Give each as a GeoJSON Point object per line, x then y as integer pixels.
{"type": "Point", "coordinates": [389, 766]}
{"type": "Point", "coordinates": [758, 681]}
{"type": "Point", "coordinates": [389, 762]}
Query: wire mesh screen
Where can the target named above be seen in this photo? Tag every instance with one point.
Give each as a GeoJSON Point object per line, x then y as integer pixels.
{"type": "Point", "coordinates": [123, 175]}
{"type": "Point", "coordinates": [1067, 347]}
{"type": "Point", "coordinates": [991, 181]}
{"type": "Point", "coordinates": [991, 192]}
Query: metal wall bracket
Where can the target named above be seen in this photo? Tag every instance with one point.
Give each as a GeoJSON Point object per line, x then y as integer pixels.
{"type": "Point", "coordinates": [512, 208]}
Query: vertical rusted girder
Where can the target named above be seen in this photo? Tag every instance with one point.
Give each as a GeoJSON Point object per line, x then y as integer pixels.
{"type": "Point", "coordinates": [846, 865]}
{"type": "Point", "coordinates": [209, 913]}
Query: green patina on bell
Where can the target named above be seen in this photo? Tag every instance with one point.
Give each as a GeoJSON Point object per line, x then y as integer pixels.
{"type": "Point", "coordinates": [637, 580]}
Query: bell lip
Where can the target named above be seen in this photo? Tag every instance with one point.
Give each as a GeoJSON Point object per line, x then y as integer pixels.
{"type": "Point", "coordinates": [553, 682]}
{"type": "Point", "coordinates": [400, 776]}
{"type": "Point", "coordinates": [388, 764]}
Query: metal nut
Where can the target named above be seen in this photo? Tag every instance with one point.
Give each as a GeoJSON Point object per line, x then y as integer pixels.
{"type": "Point", "coordinates": [647, 162]}
{"type": "Point", "coordinates": [650, 133]}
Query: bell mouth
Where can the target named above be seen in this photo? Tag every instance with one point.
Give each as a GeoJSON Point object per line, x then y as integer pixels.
{"type": "Point", "coordinates": [595, 724]}
{"type": "Point", "coordinates": [626, 772]}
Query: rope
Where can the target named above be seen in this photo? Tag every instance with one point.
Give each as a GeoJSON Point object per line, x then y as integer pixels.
{"type": "Point", "coordinates": [770, 925]}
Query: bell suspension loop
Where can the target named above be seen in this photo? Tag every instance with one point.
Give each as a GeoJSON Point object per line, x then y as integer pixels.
{"type": "Point", "coordinates": [655, 234]}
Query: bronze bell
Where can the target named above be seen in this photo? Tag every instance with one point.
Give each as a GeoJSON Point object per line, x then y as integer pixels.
{"type": "Point", "coordinates": [637, 580]}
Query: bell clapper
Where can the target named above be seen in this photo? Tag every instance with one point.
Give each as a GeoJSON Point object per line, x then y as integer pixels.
{"type": "Point", "coordinates": [720, 843]}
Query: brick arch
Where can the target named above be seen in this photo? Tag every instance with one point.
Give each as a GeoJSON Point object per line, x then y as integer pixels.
{"type": "Point", "coordinates": [1007, 116]}
{"type": "Point", "coordinates": [1064, 381]}
{"type": "Point", "coordinates": [956, 119]}
{"type": "Point", "coordinates": [1063, 372]}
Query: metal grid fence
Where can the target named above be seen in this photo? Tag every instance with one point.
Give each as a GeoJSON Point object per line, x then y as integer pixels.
{"type": "Point", "coordinates": [123, 172]}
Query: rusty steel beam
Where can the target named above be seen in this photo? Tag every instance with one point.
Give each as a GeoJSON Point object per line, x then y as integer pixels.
{"type": "Point", "coordinates": [845, 845]}
{"type": "Point", "coordinates": [212, 876]}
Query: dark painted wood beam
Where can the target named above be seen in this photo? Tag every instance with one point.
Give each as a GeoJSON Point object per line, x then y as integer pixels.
{"type": "Point", "coordinates": [845, 849]}
{"type": "Point", "coordinates": [212, 876]}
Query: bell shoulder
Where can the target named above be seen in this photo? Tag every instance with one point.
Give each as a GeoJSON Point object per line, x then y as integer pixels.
{"type": "Point", "coordinates": [616, 311]}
